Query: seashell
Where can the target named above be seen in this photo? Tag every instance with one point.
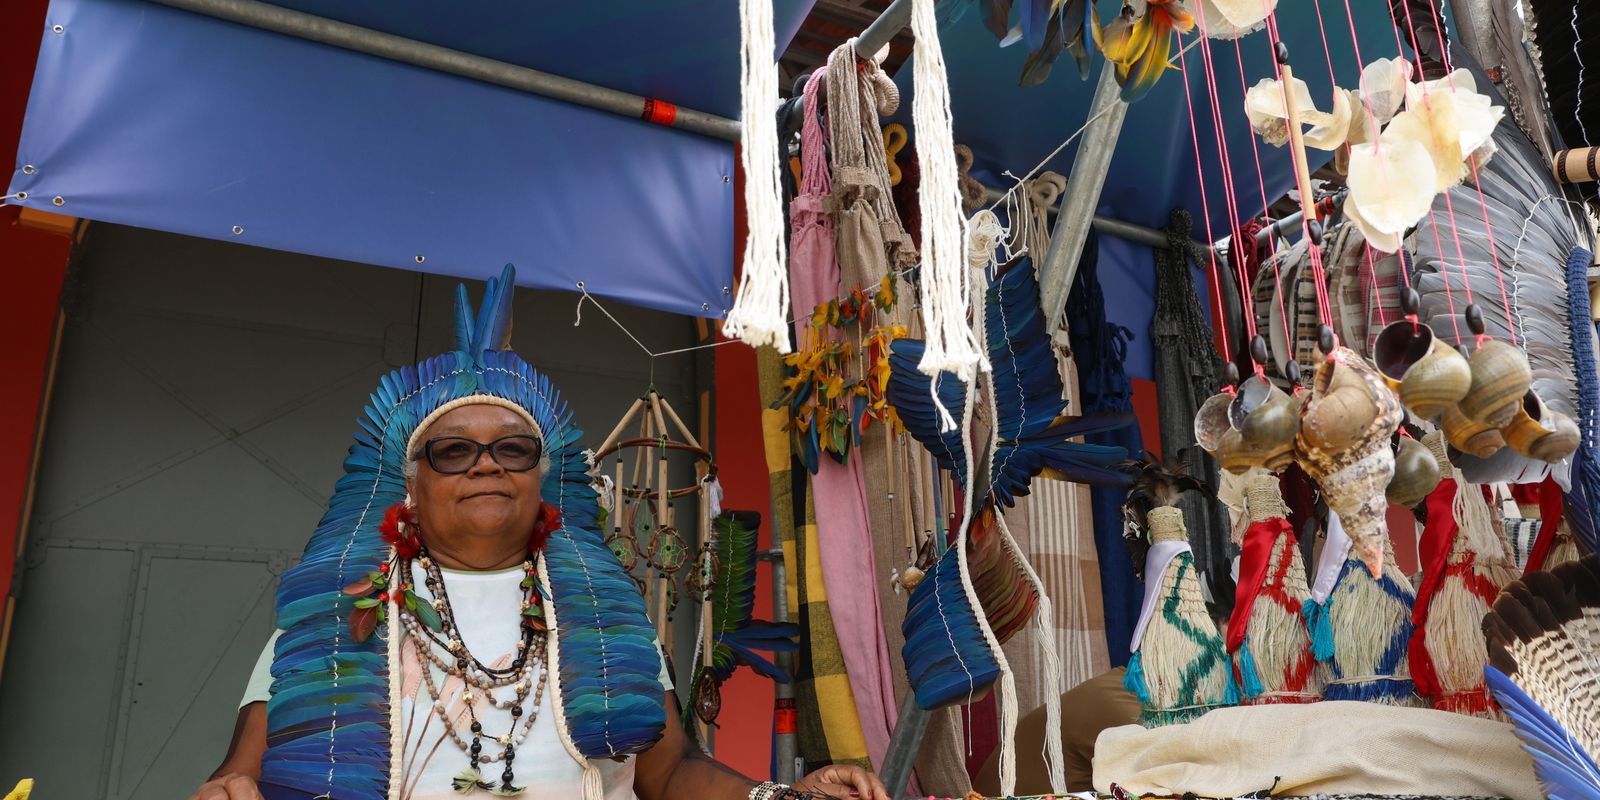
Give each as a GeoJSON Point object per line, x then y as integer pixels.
{"type": "Point", "coordinates": [1416, 473]}
{"type": "Point", "coordinates": [1211, 422]}
{"type": "Point", "coordinates": [1238, 456]}
{"type": "Point", "coordinates": [1429, 375]}
{"type": "Point", "coordinates": [1400, 345]}
{"type": "Point", "coordinates": [1344, 446]}
{"type": "Point", "coordinates": [1500, 377]}
{"type": "Point", "coordinates": [1340, 418]}
{"type": "Point", "coordinates": [1474, 438]}
{"type": "Point", "coordinates": [1272, 417]}
{"type": "Point", "coordinates": [1355, 491]}
{"type": "Point", "coordinates": [1436, 383]}
{"type": "Point", "coordinates": [1562, 442]}
{"type": "Point", "coordinates": [1537, 432]}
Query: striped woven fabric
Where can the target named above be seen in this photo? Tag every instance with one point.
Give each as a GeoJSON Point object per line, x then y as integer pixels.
{"type": "Point", "coordinates": [829, 729]}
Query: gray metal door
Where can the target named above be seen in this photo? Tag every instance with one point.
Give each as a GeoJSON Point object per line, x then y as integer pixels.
{"type": "Point", "coordinates": [205, 397]}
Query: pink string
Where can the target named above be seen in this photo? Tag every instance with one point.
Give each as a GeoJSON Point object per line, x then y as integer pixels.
{"type": "Point", "coordinates": [1266, 207]}
{"type": "Point", "coordinates": [1205, 208]}
{"type": "Point", "coordinates": [1472, 161]}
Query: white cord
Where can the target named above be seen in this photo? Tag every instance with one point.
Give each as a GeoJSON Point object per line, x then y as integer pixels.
{"type": "Point", "coordinates": [950, 344]}
{"type": "Point", "coordinates": [758, 314]}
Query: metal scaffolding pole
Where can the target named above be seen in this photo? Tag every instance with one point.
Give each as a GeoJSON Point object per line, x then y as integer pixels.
{"type": "Point", "coordinates": [1106, 113]}
{"type": "Point", "coordinates": [888, 25]}
{"type": "Point", "coordinates": [322, 30]}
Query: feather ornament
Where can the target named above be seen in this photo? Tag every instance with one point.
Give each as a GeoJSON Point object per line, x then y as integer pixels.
{"type": "Point", "coordinates": [1543, 640]}
{"type": "Point", "coordinates": [1160, 20]}
{"type": "Point", "coordinates": [738, 639]}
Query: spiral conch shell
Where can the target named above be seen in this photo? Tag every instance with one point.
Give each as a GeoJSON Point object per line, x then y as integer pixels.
{"type": "Point", "coordinates": [1344, 446]}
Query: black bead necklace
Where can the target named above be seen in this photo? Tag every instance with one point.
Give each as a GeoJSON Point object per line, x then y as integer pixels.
{"type": "Point", "coordinates": [474, 674]}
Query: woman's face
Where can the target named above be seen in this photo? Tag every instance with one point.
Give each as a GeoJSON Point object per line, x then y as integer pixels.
{"type": "Point", "coordinates": [485, 501]}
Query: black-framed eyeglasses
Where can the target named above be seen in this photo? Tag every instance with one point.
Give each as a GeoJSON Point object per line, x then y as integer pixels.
{"type": "Point", "coordinates": [453, 455]}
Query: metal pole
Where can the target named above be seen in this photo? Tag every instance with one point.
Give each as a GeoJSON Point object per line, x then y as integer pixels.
{"type": "Point", "coordinates": [1106, 113]}
{"type": "Point", "coordinates": [784, 746]}
{"type": "Point", "coordinates": [903, 746]}
{"type": "Point", "coordinates": [454, 62]}
{"type": "Point", "coordinates": [888, 25]}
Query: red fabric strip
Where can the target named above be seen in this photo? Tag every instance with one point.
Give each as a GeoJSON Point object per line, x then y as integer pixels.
{"type": "Point", "coordinates": [1550, 510]}
{"type": "Point", "coordinates": [1433, 552]}
{"type": "Point", "coordinates": [1254, 555]}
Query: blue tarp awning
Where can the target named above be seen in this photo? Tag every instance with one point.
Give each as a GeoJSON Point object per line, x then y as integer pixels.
{"type": "Point", "coordinates": [145, 115]}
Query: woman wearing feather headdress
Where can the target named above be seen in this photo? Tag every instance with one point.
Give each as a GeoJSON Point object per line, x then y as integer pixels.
{"type": "Point", "coordinates": [457, 626]}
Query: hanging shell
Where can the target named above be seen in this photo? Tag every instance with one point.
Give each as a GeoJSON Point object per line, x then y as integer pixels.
{"type": "Point", "coordinates": [1473, 438]}
{"type": "Point", "coordinates": [1344, 446]}
{"type": "Point", "coordinates": [1239, 456]}
{"type": "Point", "coordinates": [1211, 422]}
{"type": "Point", "coordinates": [1500, 377]}
{"type": "Point", "coordinates": [1537, 432]}
{"type": "Point", "coordinates": [1416, 473]}
{"type": "Point", "coordinates": [1429, 375]}
{"type": "Point", "coordinates": [1273, 421]}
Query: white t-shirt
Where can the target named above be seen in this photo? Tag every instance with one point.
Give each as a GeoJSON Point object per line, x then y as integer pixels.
{"type": "Point", "coordinates": [487, 607]}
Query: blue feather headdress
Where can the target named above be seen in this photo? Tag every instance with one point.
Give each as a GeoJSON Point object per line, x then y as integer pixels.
{"type": "Point", "coordinates": [328, 722]}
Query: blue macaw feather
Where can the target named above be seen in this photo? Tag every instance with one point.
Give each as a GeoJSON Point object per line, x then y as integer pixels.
{"type": "Point", "coordinates": [465, 325]}
{"type": "Point", "coordinates": [1035, 18]}
{"type": "Point", "coordinates": [909, 392]}
{"type": "Point", "coordinates": [947, 659]}
{"type": "Point", "coordinates": [1565, 771]}
{"type": "Point", "coordinates": [610, 695]}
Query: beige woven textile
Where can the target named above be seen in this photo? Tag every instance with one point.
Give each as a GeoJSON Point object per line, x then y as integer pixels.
{"type": "Point", "coordinates": [1331, 747]}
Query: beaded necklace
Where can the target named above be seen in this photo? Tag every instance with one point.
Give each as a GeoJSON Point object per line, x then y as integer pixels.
{"type": "Point", "coordinates": [445, 649]}
{"type": "Point", "coordinates": [431, 626]}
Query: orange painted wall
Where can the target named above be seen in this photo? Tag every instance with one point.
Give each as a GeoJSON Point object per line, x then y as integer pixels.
{"type": "Point", "coordinates": [744, 740]}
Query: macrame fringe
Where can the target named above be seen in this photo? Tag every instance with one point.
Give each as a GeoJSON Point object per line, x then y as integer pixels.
{"type": "Point", "coordinates": [1370, 627]}
{"type": "Point", "coordinates": [1319, 623]}
{"type": "Point", "coordinates": [758, 316]}
{"type": "Point", "coordinates": [1045, 639]}
{"type": "Point", "coordinates": [1453, 632]}
{"type": "Point", "coordinates": [951, 345]}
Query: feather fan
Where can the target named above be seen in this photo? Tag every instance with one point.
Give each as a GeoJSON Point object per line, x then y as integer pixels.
{"type": "Point", "coordinates": [1543, 639]}
{"type": "Point", "coordinates": [738, 639]}
{"type": "Point", "coordinates": [1524, 241]}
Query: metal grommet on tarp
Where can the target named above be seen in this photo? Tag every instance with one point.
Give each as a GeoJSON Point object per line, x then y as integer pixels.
{"type": "Point", "coordinates": [29, 169]}
{"type": "Point", "coordinates": [238, 230]}
{"type": "Point", "coordinates": [58, 200]}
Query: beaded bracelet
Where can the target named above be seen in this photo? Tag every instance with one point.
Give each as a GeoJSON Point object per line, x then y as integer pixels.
{"type": "Point", "coordinates": [767, 790]}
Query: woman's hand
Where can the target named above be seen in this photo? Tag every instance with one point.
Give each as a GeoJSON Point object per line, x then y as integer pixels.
{"type": "Point", "coordinates": [232, 786]}
{"type": "Point", "coordinates": [844, 781]}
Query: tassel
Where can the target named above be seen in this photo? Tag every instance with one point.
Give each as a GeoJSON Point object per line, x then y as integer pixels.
{"type": "Point", "coordinates": [593, 787]}
{"type": "Point", "coordinates": [951, 345]}
{"type": "Point", "coordinates": [759, 313]}
{"type": "Point", "coordinates": [1248, 674]}
{"type": "Point", "coordinates": [1320, 623]}
{"type": "Point", "coordinates": [1230, 696]}
{"type": "Point", "coordinates": [1133, 682]}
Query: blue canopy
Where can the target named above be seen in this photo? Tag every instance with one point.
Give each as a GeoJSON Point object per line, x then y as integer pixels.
{"type": "Point", "coordinates": [145, 115]}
